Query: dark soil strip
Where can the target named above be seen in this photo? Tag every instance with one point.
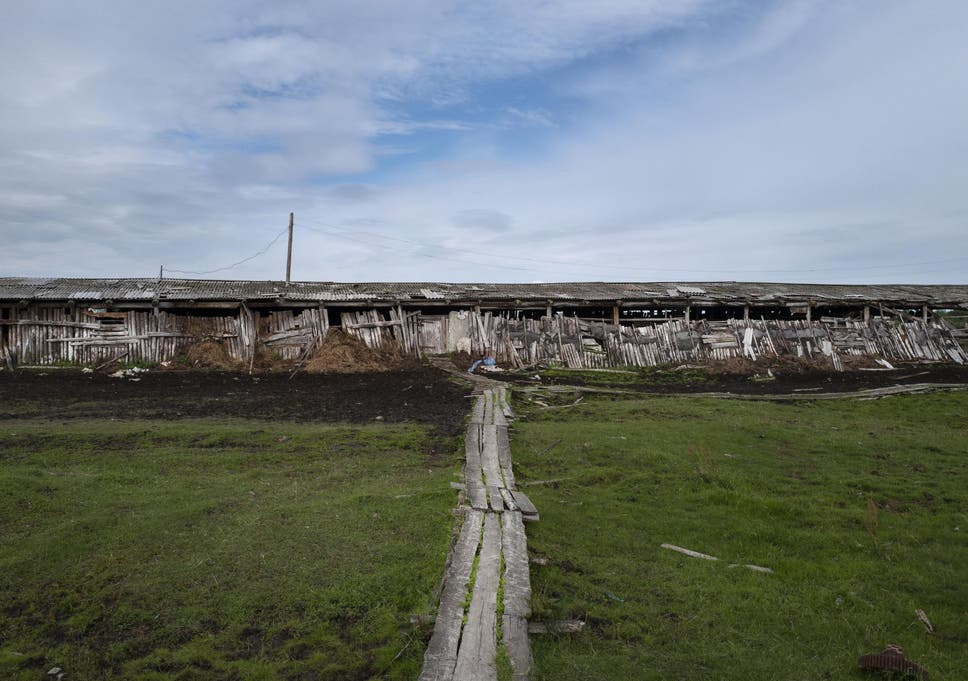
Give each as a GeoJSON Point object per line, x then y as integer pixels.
{"type": "Point", "coordinates": [421, 395]}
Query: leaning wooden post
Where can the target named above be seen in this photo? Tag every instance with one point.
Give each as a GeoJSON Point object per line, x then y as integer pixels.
{"type": "Point", "coordinates": [746, 313]}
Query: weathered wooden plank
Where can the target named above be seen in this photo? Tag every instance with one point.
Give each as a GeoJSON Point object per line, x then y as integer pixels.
{"type": "Point", "coordinates": [517, 596]}
{"type": "Point", "coordinates": [504, 456]}
{"type": "Point", "coordinates": [495, 499]}
{"type": "Point", "coordinates": [517, 580]}
{"type": "Point", "coordinates": [440, 657]}
{"type": "Point", "coordinates": [524, 503]}
{"type": "Point", "coordinates": [478, 644]}
{"type": "Point", "coordinates": [472, 468]}
{"type": "Point", "coordinates": [508, 499]}
{"type": "Point", "coordinates": [489, 457]}
{"type": "Point", "coordinates": [506, 402]}
{"type": "Point", "coordinates": [477, 410]}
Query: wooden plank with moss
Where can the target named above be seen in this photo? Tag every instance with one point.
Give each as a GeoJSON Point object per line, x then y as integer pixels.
{"type": "Point", "coordinates": [517, 596]}
{"type": "Point", "coordinates": [441, 655]}
{"type": "Point", "coordinates": [476, 659]}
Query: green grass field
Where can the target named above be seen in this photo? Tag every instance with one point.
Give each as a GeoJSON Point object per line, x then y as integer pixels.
{"type": "Point", "coordinates": [786, 486]}
{"type": "Point", "coordinates": [218, 550]}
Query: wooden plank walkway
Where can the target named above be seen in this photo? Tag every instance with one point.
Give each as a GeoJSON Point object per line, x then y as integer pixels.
{"type": "Point", "coordinates": [441, 654]}
{"type": "Point", "coordinates": [464, 644]}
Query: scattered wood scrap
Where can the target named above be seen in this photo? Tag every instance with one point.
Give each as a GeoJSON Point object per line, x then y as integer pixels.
{"type": "Point", "coordinates": [689, 552]}
{"type": "Point", "coordinates": [892, 659]}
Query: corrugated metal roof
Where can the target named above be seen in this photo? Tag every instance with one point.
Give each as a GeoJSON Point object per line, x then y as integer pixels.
{"type": "Point", "coordinates": [148, 290]}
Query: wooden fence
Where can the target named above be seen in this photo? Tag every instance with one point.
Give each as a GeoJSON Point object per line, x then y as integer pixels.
{"type": "Point", "coordinates": [587, 344]}
{"type": "Point", "coordinates": [51, 334]}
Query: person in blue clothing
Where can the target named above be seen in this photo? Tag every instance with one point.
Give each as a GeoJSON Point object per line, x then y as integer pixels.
{"type": "Point", "coordinates": [486, 359]}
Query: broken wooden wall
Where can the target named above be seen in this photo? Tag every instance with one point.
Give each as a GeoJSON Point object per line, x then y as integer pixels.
{"type": "Point", "coordinates": [47, 334]}
{"type": "Point", "coordinates": [580, 343]}
{"type": "Point", "coordinates": [53, 334]}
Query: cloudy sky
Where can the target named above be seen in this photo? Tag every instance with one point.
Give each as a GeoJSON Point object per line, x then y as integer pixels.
{"type": "Point", "coordinates": [555, 140]}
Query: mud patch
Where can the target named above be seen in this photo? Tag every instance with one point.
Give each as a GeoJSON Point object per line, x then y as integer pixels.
{"type": "Point", "coordinates": [422, 395]}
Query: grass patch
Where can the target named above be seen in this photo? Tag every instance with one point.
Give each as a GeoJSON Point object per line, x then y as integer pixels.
{"type": "Point", "coordinates": [785, 486]}
{"type": "Point", "coordinates": [218, 550]}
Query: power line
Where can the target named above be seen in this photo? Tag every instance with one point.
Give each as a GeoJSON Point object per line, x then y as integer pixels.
{"type": "Point", "coordinates": [235, 264]}
{"type": "Point", "coordinates": [343, 235]}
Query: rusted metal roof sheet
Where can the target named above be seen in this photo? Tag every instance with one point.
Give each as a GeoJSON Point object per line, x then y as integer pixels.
{"type": "Point", "coordinates": [185, 290]}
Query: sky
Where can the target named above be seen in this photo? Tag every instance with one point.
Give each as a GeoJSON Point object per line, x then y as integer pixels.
{"type": "Point", "coordinates": [490, 141]}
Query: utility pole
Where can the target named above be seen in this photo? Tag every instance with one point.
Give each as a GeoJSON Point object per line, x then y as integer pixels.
{"type": "Point", "coordinates": [289, 255]}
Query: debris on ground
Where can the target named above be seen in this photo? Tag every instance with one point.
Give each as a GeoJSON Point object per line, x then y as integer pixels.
{"type": "Point", "coordinates": [689, 552]}
{"type": "Point", "coordinates": [924, 620]}
{"type": "Point", "coordinates": [754, 568]}
{"type": "Point", "coordinates": [133, 373]}
{"type": "Point", "coordinates": [892, 659]}
{"type": "Point", "coordinates": [559, 627]}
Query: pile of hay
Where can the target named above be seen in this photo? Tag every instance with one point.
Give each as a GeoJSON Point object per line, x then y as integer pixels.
{"type": "Point", "coordinates": [342, 353]}
{"type": "Point", "coordinates": [209, 354]}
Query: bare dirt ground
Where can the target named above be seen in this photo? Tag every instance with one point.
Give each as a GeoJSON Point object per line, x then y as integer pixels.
{"type": "Point", "coordinates": [752, 382]}
{"type": "Point", "coordinates": [420, 395]}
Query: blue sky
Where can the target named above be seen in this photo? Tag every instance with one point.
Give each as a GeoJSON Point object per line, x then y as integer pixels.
{"type": "Point", "coordinates": [808, 140]}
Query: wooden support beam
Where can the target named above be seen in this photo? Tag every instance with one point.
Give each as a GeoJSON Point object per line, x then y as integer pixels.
{"type": "Point", "coordinates": [616, 311]}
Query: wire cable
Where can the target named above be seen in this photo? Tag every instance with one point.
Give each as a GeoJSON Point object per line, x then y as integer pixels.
{"type": "Point", "coordinates": [235, 264]}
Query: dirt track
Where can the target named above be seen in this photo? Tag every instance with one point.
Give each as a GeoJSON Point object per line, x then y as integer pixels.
{"type": "Point", "coordinates": [422, 395]}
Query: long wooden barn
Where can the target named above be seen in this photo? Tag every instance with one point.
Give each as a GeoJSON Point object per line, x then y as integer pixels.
{"type": "Point", "coordinates": [592, 325]}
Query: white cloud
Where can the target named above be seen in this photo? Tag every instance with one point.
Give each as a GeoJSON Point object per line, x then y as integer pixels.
{"type": "Point", "coordinates": [780, 140]}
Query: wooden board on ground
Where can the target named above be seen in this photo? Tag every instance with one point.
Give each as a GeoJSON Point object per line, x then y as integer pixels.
{"type": "Point", "coordinates": [495, 498]}
{"type": "Point", "coordinates": [504, 456]}
{"type": "Point", "coordinates": [489, 456]}
{"type": "Point", "coordinates": [524, 503]}
{"type": "Point", "coordinates": [478, 644]}
{"type": "Point", "coordinates": [517, 596]}
{"type": "Point", "coordinates": [441, 655]}
{"type": "Point", "coordinates": [477, 410]}
{"type": "Point", "coordinates": [472, 468]}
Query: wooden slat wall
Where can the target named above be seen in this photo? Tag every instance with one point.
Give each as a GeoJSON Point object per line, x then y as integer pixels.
{"type": "Point", "coordinates": [581, 344]}
{"type": "Point", "coordinates": [46, 334]}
